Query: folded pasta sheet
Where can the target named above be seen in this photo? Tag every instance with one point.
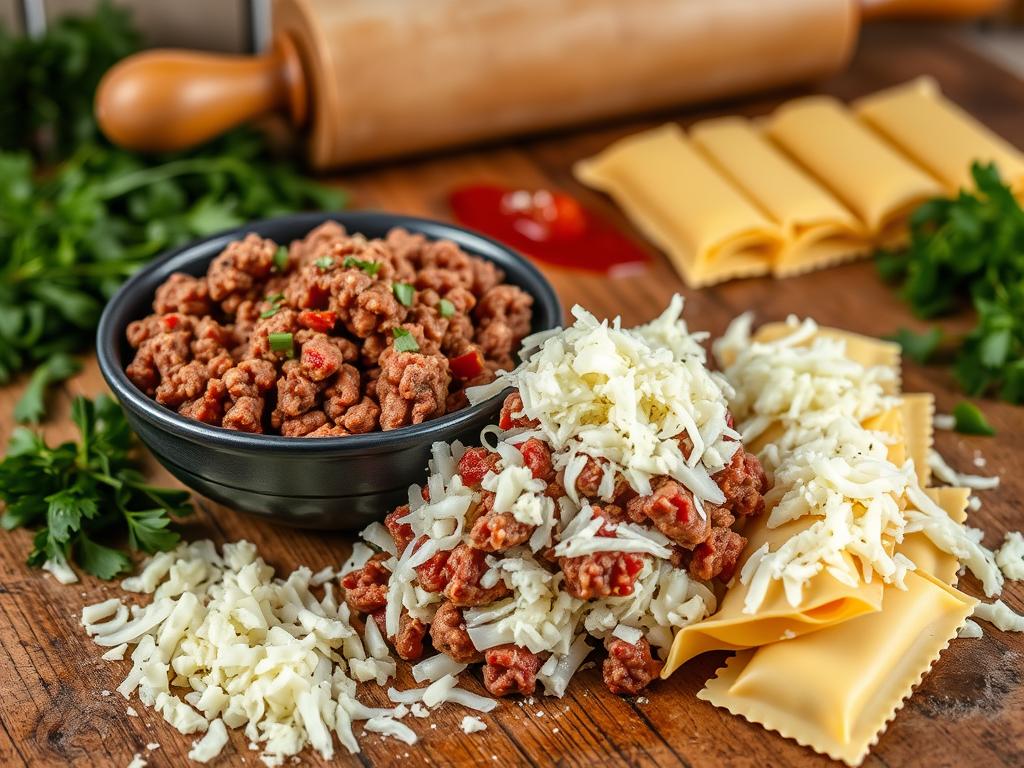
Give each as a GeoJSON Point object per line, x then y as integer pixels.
{"type": "Point", "coordinates": [939, 135]}
{"type": "Point", "coordinates": [879, 184]}
{"type": "Point", "coordinates": [819, 231]}
{"type": "Point", "coordinates": [826, 601]}
{"type": "Point", "coordinates": [835, 690]}
{"type": "Point", "coordinates": [709, 229]}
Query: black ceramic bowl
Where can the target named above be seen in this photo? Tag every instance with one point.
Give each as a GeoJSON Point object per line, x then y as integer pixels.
{"type": "Point", "coordinates": [337, 482]}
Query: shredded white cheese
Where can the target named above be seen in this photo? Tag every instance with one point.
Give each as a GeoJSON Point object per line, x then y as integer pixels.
{"type": "Point", "coordinates": [970, 630]}
{"type": "Point", "coordinates": [944, 421]}
{"type": "Point", "coordinates": [251, 650]}
{"type": "Point", "coordinates": [947, 474]}
{"type": "Point", "coordinates": [472, 724]}
{"type": "Point", "coordinates": [61, 571]}
{"type": "Point", "coordinates": [137, 761]}
{"type": "Point", "coordinates": [1010, 557]}
{"type": "Point", "coordinates": [621, 396]}
{"type": "Point", "coordinates": [388, 726]}
{"type": "Point", "coordinates": [208, 747]}
{"type": "Point", "coordinates": [1000, 616]}
{"type": "Point", "coordinates": [811, 401]}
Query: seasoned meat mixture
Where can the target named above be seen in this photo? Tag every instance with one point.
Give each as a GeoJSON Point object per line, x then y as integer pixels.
{"type": "Point", "coordinates": [704, 545]}
{"type": "Point", "coordinates": [333, 335]}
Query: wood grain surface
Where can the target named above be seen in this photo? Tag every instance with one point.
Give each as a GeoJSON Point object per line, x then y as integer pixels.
{"type": "Point", "coordinates": [966, 712]}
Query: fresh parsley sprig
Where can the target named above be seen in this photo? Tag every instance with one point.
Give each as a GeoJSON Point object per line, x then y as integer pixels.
{"type": "Point", "coordinates": [969, 251]}
{"type": "Point", "coordinates": [78, 495]}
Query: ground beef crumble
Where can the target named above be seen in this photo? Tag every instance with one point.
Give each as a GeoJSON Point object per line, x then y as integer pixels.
{"type": "Point", "coordinates": [330, 302]}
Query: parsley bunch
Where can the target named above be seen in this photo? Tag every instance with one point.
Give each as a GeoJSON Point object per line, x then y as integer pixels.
{"type": "Point", "coordinates": [79, 493]}
{"type": "Point", "coordinates": [969, 250]}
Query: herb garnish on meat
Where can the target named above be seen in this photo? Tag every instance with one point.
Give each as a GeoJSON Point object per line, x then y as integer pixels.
{"type": "Point", "coordinates": [78, 493]}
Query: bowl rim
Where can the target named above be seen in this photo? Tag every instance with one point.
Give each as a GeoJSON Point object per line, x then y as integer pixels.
{"type": "Point", "coordinates": [108, 339]}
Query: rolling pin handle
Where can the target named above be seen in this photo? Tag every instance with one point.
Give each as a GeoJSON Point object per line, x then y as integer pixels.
{"type": "Point", "coordinates": [165, 100]}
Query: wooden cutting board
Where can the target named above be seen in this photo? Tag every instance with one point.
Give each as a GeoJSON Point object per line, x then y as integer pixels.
{"type": "Point", "coordinates": [966, 712]}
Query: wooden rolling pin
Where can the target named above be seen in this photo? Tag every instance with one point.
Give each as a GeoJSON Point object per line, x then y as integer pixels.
{"type": "Point", "coordinates": [368, 79]}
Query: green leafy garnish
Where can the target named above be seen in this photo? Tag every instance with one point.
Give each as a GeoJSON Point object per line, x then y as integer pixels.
{"type": "Point", "coordinates": [918, 346]}
{"type": "Point", "coordinates": [77, 216]}
{"type": "Point", "coordinates": [404, 340]}
{"type": "Point", "coordinates": [324, 263]}
{"type": "Point", "coordinates": [404, 293]}
{"type": "Point", "coordinates": [275, 300]}
{"type": "Point", "coordinates": [969, 420]}
{"type": "Point", "coordinates": [446, 308]}
{"type": "Point", "coordinates": [280, 258]}
{"type": "Point", "coordinates": [77, 494]}
{"type": "Point", "coordinates": [369, 267]}
{"type": "Point", "coordinates": [969, 251]}
{"type": "Point", "coordinates": [32, 406]}
{"type": "Point", "coordinates": [282, 343]}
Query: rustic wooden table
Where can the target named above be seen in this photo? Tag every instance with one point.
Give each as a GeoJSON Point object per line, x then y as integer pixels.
{"type": "Point", "coordinates": [966, 712]}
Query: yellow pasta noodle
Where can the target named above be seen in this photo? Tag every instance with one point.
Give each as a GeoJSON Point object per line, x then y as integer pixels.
{"type": "Point", "coordinates": [819, 231]}
{"type": "Point", "coordinates": [836, 690]}
{"type": "Point", "coordinates": [939, 135]}
{"type": "Point", "coordinates": [681, 202]}
{"type": "Point", "coordinates": [879, 184]}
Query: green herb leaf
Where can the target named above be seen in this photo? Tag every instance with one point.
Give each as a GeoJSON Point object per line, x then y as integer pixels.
{"type": "Point", "coordinates": [281, 258]}
{"type": "Point", "coordinates": [918, 346]}
{"type": "Point", "coordinates": [404, 340]}
{"type": "Point", "coordinates": [324, 263]}
{"type": "Point", "coordinates": [404, 293]}
{"type": "Point", "coordinates": [970, 420]}
{"type": "Point", "coordinates": [446, 308]}
{"type": "Point", "coordinates": [77, 493]}
{"type": "Point", "coordinates": [282, 343]}
{"type": "Point", "coordinates": [31, 407]}
{"type": "Point", "coordinates": [102, 562]}
{"type": "Point", "coordinates": [369, 267]}
{"type": "Point", "coordinates": [969, 251]}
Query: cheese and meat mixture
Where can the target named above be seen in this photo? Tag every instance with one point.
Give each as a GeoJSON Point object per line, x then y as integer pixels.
{"type": "Point", "coordinates": [604, 504]}
{"type": "Point", "coordinates": [334, 335]}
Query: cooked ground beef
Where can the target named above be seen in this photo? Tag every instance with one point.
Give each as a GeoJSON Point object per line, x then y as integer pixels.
{"type": "Point", "coordinates": [510, 669]}
{"type": "Point", "coordinates": [366, 589]}
{"type": "Point", "coordinates": [324, 315]}
{"type": "Point", "coordinates": [629, 667]}
{"type": "Point", "coordinates": [449, 636]}
{"type": "Point", "coordinates": [464, 569]}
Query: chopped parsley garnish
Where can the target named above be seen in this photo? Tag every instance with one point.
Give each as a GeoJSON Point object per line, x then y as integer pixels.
{"type": "Point", "coordinates": [918, 346]}
{"type": "Point", "coordinates": [969, 251]}
{"type": "Point", "coordinates": [76, 494]}
{"type": "Point", "coordinates": [404, 293]}
{"type": "Point", "coordinates": [275, 300]}
{"type": "Point", "coordinates": [969, 420]}
{"type": "Point", "coordinates": [282, 343]}
{"type": "Point", "coordinates": [404, 341]}
{"type": "Point", "coordinates": [324, 263]}
{"type": "Point", "coordinates": [32, 405]}
{"type": "Point", "coordinates": [446, 308]}
{"type": "Point", "coordinates": [281, 258]}
{"type": "Point", "coordinates": [369, 267]}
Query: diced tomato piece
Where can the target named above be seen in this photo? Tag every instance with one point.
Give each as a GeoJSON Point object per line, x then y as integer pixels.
{"type": "Point", "coordinates": [537, 457]}
{"type": "Point", "coordinates": [684, 507]}
{"type": "Point", "coordinates": [170, 322]}
{"type": "Point", "coordinates": [467, 366]}
{"type": "Point", "coordinates": [475, 464]}
{"type": "Point", "coordinates": [624, 573]}
{"type": "Point", "coordinates": [322, 321]}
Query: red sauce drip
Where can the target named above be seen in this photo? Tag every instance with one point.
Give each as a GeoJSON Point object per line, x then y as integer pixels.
{"type": "Point", "coordinates": [549, 226]}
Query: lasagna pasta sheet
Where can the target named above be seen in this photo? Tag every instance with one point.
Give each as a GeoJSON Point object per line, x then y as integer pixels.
{"type": "Point", "coordinates": [682, 203]}
{"type": "Point", "coordinates": [818, 230]}
{"type": "Point", "coordinates": [835, 690]}
{"type": "Point", "coordinates": [826, 602]}
{"type": "Point", "coordinates": [862, 169]}
{"type": "Point", "coordinates": [939, 135]}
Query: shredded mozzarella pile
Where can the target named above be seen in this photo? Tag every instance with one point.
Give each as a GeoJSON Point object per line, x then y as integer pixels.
{"type": "Point", "coordinates": [947, 474]}
{"type": "Point", "coordinates": [621, 396]}
{"type": "Point", "coordinates": [253, 651]}
{"type": "Point", "coordinates": [804, 397]}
